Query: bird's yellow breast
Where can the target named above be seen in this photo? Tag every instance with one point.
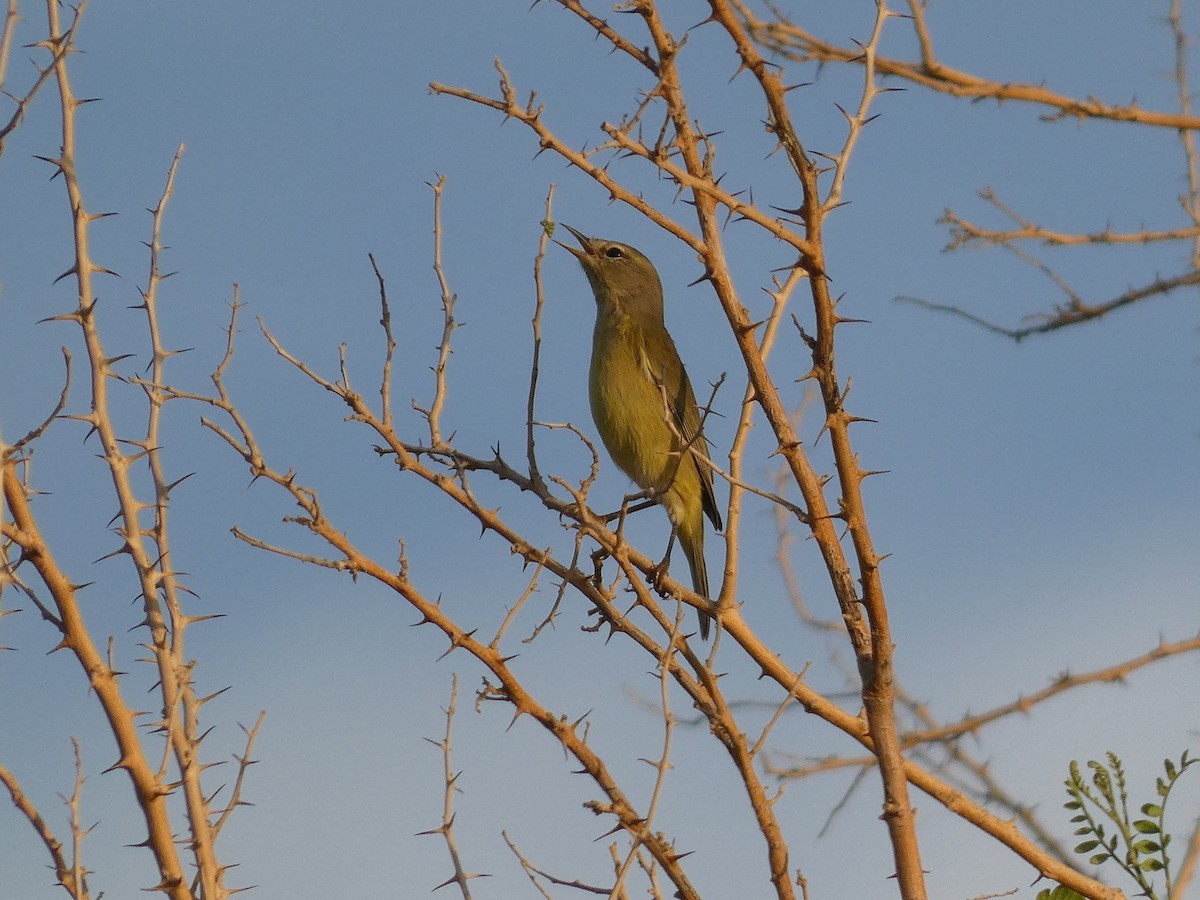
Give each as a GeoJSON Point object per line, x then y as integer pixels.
{"type": "Point", "coordinates": [630, 402]}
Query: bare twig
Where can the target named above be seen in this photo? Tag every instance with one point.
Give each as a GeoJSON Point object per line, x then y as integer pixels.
{"type": "Point", "coordinates": [516, 607]}
{"type": "Point", "coordinates": [862, 116]}
{"type": "Point", "coordinates": [79, 872]}
{"type": "Point", "coordinates": [530, 417]}
{"type": "Point", "coordinates": [385, 322]}
{"type": "Point", "coordinates": [63, 871]}
{"type": "Point", "coordinates": [60, 48]}
{"type": "Point", "coordinates": [39, 430]}
{"type": "Point", "coordinates": [661, 765]}
{"type": "Point", "coordinates": [532, 872]}
{"type": "Point", "coordinates": [461, 877]}
{"type": "Point", "coordinates": [433, 413]}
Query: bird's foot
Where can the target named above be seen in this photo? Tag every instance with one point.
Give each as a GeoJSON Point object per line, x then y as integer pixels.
{"type": "Point", "coordinates": [658, 573]}
{"type": "Point", "coordinates": [599, 555]}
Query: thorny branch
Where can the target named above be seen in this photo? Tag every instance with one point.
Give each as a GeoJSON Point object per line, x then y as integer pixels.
{"type": "Point", "coordinates": [791, 41]}
{"type": "Point", "coordinates": [146, 545]}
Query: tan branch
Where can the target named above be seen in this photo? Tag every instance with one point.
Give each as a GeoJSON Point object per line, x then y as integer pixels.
{"type": "Point", "coordinates": [104, 682]}
{"type": "Point", "coordinates": [800, 45]}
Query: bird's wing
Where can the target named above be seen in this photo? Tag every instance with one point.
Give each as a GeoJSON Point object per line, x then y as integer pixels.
{"type": "Point", "coordinates": [690, 429]}
{"type": "Point", "coordinates": [686, 415]}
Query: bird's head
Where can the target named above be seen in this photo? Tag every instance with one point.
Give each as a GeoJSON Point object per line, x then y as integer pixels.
{"type": "Point", "coordinates": [621, 277]}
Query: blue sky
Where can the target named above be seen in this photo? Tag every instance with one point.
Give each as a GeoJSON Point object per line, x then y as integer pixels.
{"type": "Point", "coordinates": [1040, 507]}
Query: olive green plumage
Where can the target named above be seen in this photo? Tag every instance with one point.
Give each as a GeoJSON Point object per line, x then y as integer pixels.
{"type": "Point", "coordinates": [635, 382]}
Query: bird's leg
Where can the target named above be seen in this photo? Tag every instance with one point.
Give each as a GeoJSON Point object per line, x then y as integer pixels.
{"type": "Point", "coordinates": [599, 555]}
{"type": "Point", "coordinates": [660, 571]}
{"type": "Point", "coordinates": [648, 497]}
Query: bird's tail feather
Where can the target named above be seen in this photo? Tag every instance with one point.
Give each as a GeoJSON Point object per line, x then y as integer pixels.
{"type": "Point", "coordinates": [693, 549]}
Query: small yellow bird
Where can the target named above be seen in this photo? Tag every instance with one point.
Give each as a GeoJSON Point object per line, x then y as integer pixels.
{"type": "Point", "coordinates": [642, 402]}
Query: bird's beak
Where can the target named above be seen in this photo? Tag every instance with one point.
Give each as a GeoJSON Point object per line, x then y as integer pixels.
{"type": "Point", "coordinates": [584, 241]}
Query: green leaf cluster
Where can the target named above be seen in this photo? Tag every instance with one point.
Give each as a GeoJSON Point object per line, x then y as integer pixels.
{"type": "Point", "coordinates": [1137, 844]}
{"type": "Point", "coordinates": [1060, 893]}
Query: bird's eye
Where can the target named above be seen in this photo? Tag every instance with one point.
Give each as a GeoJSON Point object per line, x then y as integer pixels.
{"type": "Point", "coordinates": [614, 253]}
